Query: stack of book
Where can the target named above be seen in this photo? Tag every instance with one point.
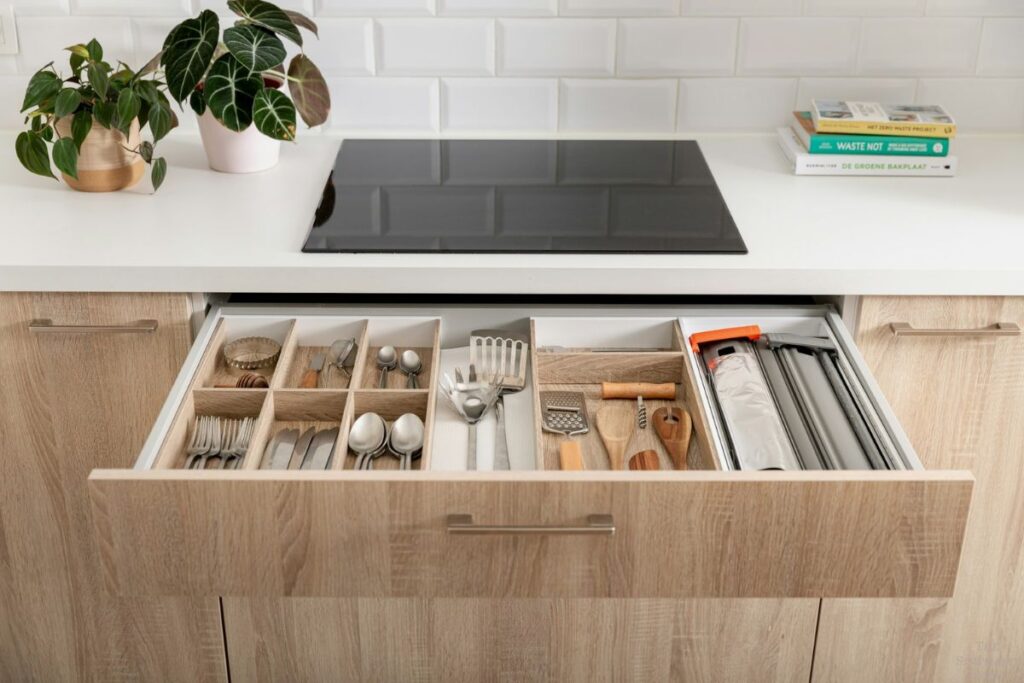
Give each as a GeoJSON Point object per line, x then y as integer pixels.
{"type": "Point", "coordinates": [866, 138]}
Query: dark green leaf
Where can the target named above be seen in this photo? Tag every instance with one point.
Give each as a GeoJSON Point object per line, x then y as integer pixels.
{"type": "Point", "coordinates": [43, 86]}
{"type": "Point", "coordinates": [309, 90]}
{"type": "Point", "coordinates": [128, 105]}
{"type": "Point", "coordinates": [159, 171]}
{"type": "Point", "coordinates": [98, 79]}
{"type": "Point", "coordinates": [80, 127]}
{"type": "Point", "coordinates": [160, 120]}
{"type": "Point", "coordinates": [95, 50]}
{"type": "Point", "coordinates": [148, 91]}
{"type": "Point", "coordinates": [229, 92]}
{"type": "Point", "coordinates": [274, 114]}
{"type": "Point", "coordinates": [197, 102]}
{"type": "Point", "coordinates": [67, 102]}
{"type": "Point", "coordinates": [256, 48]}
{"type": "Point", "coordinates": [65, 157]}
{"type": "Point", "coordinates": [47, 133]}
{"type": "Point", "coordinates": [268, 16]}
{"type": "Point", "coordinates": [302, 21]}
{"type": "Point", "coordinates": [104, 112]}
{"type": "Point", "coordinates": [32, 154]}
{"type": "Point", "coordinates": [143, 116]}
{"type": "Point", "coordinates": [188, 52]}
{"type": "Point", "coordinates": [146, 151]}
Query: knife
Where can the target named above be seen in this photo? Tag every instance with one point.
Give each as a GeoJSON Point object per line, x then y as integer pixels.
{"type": "Point", "coordinates": [284, 444]}
{"type": "Point", "coordinates": [268, 453]}
{"type": "Point", "coordinates": [301, 448]}
{"type": "Point", "coordinates": [311, 379]}
{"type": "Point", "coordinates": [320, 450]}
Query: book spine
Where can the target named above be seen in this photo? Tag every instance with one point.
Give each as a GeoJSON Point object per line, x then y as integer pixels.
{"type": "Point", "coordinates": [871, 145]}
{"type": "Point", "coordinates": [820, 165]}
{"type": "Point", "coordinates": [921, 130]}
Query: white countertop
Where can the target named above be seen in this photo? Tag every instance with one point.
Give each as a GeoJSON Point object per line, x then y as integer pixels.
{"type": "Point", "coordinates": [210, 232]}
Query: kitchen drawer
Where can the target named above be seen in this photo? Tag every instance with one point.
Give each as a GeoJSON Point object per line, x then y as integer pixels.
{"type": "Point", "coordinates": [702, 532]}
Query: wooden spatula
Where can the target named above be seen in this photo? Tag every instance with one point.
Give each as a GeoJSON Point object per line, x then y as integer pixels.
{"type": "Point", "coordinates": [645, 460]}
{"type": "Point", "coordinates": [673, 425]}
{"type": "Point", "coordinates": [615, 423]}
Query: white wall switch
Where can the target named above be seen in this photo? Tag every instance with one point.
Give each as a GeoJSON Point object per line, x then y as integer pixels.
{"type": "Point", "coordinates": [8, 32]}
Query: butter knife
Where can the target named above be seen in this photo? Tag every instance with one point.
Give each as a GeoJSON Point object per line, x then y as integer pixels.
{"type": "Point", "coordinates": [283, 447]}
{"type": "Point", "coordinates": [297, 456]}
{"type": "Point", "coordinates": [320, 450]}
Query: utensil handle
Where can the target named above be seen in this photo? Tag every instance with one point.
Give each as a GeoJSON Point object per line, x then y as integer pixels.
{"type": "Point", "coordinates": [665, 391]}
{"type": "Point", "coordinates": [501, 461]}
{"type": "Point", "coordinates": [47, 326]}
{"type": "Point", "coordinates": [310, 379]}
{"type": "Point", "coordinates": [597, 525]}
{"type": "Point", "coordinates": [571, 456]}
{"type": "Point", "coordinates": [471, 449]}
{"type": "Point", "coordinates": [996, 330]}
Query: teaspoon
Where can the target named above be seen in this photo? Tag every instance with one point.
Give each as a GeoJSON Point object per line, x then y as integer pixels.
{"type": "Point", "coordinates": [387, 360]}
{"type": "Point", "coordinates": [406, 438]}
{"type": "Point", "coordinates": [368, 434]}
{"type": "Point", "coordinates": [411, 365]}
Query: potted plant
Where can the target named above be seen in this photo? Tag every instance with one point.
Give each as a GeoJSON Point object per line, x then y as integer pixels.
{"type": "Point", "coordinates": [93, 120]}
{"type": "Point", "coordinates": [234, 85]}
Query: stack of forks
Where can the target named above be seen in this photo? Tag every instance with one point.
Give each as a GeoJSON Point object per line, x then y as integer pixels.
{"type": "Point", "coordinates": [219, 438]}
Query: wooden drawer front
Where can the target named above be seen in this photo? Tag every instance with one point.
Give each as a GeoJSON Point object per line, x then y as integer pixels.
{"type": "Point", "coordinates": [678, 534]}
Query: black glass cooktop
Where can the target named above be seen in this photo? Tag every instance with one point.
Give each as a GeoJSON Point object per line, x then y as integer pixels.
{"type": "Point", "coordinates": [526, 196]}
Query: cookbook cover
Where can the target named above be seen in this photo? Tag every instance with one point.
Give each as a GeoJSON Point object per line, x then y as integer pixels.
{"type": "Point", "coordinates": [884, 145]}
{"type": "Point", "coordinates": [918, 120]}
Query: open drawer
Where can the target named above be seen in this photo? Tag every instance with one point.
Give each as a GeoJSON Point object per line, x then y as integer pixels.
{"type": "Point", "coordinates": [534, 531]}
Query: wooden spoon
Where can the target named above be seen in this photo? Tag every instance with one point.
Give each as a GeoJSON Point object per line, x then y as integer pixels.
{"type": "Point", "coordinates": [615, 423]}
{"type": "Point", "coordinates": [673, 426]}
{"type": "Point", "coordinates": [645, 460]}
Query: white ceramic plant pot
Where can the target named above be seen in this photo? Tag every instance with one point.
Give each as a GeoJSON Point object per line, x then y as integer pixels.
{"type": "Point", "coordinates": [229, 152]}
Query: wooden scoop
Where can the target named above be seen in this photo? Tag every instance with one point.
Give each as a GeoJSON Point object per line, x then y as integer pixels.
{"type": "Point", "coordinates": [615, 423]}
{"type": "Point", "coordinates": [673, 426]}
{"type": "Point", "coordinates": [645, 460]}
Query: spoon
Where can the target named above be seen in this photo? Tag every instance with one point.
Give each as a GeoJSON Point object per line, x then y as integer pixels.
{"type": "Point", "coordinates": [406, 438]}
{"type": "Point", "coordinates": [411, 365]}
{"type": "Point", "coordinates": [474, 409]}
{"type": "Point", "coordinates": [387, 360]}
{"type": "Point", "coordinates": [367, 436]}
{"type": "Point", "coordinates": [343, 355]}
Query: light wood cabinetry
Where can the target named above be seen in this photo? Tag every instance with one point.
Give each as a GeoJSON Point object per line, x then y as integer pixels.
{"type": "Point", "coordinates": [961, 401]}
{"type": "Point", "coordinates": [71, 401]}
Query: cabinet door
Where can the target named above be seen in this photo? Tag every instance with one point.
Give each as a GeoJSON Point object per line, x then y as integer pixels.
{"type": "Point", "coordinates": [961, 401]}
{"type": "Point", "coordinates": [415, 639]}
{"type": "Point", "coordinates": [72, 400]}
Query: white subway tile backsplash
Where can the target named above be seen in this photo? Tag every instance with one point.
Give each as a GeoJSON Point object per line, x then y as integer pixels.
{"type": "Point", "coordinates": [32, 8]}
{"type": "Point", "coordinates": [919, 47]}
{"type": "Point", "coordinates": [791, 47]}
{"type": "Point", "coordinates": [556, 47]}
{"type": "Point", "coordinates": [149, 35]}
{"type": "Point", "coordinates": [619, 8]}
{"type": "Point", "coordinates": [676, 47]}
{"type": "Point", "coordinates": [886, 90]}
{"type": "Point", "coordinates": [976, 8]}
{"type": "Point", "coordinates": [500, 8]}
{"type": "Point", "coordinates": [43, 39]}
{"type": "Point", "coordinates": [436, 47]}
{"type": "Point", "coordinates": [220, 6]}
{"type": "Point", "coordinates": [383, 104]}
{"type": "Point", "coordinates": [866, 8]}
{"type": "Point", "coordinates": [345, 47]}
{"type": "Point", "coordinates": [499, 104]}
{"type": "Point", "coordinates": [741, 8]}
{"type": "Point", "coordinates": [1002, 48]}
{"type": "Point", "coordinates": [371, 8]}
{"type": "Point", "coordinates": [132, 7]}
{"type": "Point", "coordinates": [640, 106]}
{"type": "Point", "coordinates": [978, 104]}
{"type": "Point", "coordinates": [12, 94]}
{"type": "Point", "coordinates": [735, 104]}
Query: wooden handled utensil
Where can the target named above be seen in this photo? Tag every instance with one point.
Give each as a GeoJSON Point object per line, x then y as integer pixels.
{"type": "Point", "coordinates": [570, 455]}
{"type": "Point", "coordinates": [665, 391]}
{"type": "Point", "coordinates": [616, 423]}
{"type": "Point", "coordinates": [645, 460]}
{"type": "Point", "coordinates": [673, 425]}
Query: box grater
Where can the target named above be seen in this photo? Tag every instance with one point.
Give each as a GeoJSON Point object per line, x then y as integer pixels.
{"type": "Point", "coordinates": [564, 412]}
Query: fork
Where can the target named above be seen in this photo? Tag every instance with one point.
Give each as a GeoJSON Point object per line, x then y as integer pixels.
{"type": "Point", "coordinates": [200, 443]}
{"type": "Point", "coordinates": [239, 445]}
{"type": "Point", "coordinates": [214, 445]}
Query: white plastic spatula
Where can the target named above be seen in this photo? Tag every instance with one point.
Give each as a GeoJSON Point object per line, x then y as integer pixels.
{"type": "Point", "coordinates": [500, 357]}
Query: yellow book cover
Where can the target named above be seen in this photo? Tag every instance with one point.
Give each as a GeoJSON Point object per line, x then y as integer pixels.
{"type": "Point", "coordinates": [871, 118]}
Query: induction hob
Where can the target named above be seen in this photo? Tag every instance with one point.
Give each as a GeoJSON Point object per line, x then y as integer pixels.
{"type": "Point", "coordinates": [522, 196]}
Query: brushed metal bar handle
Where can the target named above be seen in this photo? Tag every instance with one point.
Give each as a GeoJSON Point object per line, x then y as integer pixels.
{"type": "Point", "coordinates": [47, 326]}
{"type": "Point", "coordinates": [997, 330]}
{"type": "Point", "coordinates": [597, 525]}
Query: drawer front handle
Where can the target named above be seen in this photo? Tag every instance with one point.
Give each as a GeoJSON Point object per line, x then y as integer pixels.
{"type": "Point", "coordinates": [597, 525]}
{"type": "Point", "coordinates": [997, 330]}
{"type": "Point", "coordinates": [47, 326]}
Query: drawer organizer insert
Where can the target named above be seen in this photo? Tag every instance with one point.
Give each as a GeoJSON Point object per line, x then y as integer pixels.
{"type": "Point", "coordinates": [572, 355]}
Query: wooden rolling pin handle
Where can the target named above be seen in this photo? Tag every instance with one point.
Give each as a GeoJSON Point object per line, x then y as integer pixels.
{"type": "Point", "coordinates": [571, 455]}
{"type": "Point", "coordinates": [309, 380]}
{"type": "Point", "coordinates": [665, 391]}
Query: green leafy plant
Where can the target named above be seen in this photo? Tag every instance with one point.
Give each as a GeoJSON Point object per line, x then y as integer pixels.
{"type": "Point", "coordinates": [237, 78]}
{"type": "Point", "coordinates": [94, 94]}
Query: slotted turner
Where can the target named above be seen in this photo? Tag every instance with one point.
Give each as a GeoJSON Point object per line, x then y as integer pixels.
{"type": "Point", "coordinates": [500, 357]}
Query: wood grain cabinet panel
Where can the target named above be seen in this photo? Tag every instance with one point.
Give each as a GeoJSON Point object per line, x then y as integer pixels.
{"type": "Point", "coordinates": [70, 403]}
{"type": "Point", "coordinates": [961, 401]}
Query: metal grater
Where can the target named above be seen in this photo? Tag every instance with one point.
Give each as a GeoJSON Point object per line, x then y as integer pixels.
{"type": "Point", "coordinates": [564, 412]}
